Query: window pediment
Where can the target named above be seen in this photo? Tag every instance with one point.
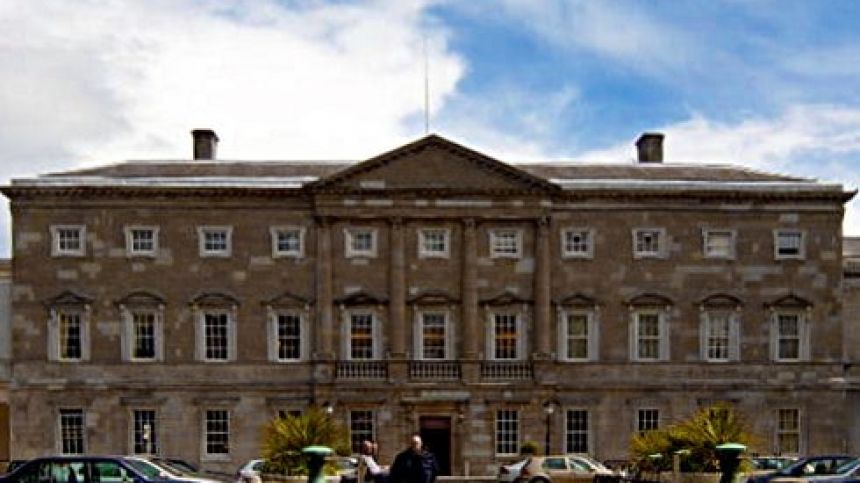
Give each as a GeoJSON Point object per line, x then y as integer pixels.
{"type": "Point", "coordinates": [360, 298]}
{"type": "Point", "coordinates": [650, 300]}
{"type": "Point", "coordinates": [288, 300]}
{"type": "Point", "coordinates": [505, 298]}
{"type": "Point", "coordinates": [214, 299]}
{"type": "Point", "coordinates": [790, 301]}
{"type": "Point", "coordinates": [578, 300]}
{"type": "Point", "coordinates": [721, 301]}
{"type": "Point", "coordinates": [433, 297]}
{"type": "Point", "coordinates": [142, 298]}
{"type": "Point", "coordinates": [68, 298]}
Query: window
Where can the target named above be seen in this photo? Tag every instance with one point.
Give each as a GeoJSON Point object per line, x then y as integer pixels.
{"type": "Point", "coordinates": [216, 432]}
{"type": "Point", "coordinates": [288, 241]}
{"type": "Point", "coordinates": [216, 335]}
{"type": "Point", "coordinates": [360, 429]}
{"type": "Point", "coordinates": [648, 420]}
{"type": "Point", "coordinates": [576, 431]}
{"type": "Point", "coordinates": [433, 335]}
{"type": "Point", "coordinates": [433, 243]}
{"type": "Point", "coordinates": [506, 243]}
{"type": "Point", "coordinates": [505, 336]}
{"type": "Point", "coordinates": [790, 336]}
{"type": "Point", "coordinates": [145, 335]}
{"type": "Point", "coordinates": [361, 336]}
{"type": "Point", "coordinates": [578, 335]}
{"type": "Point", "coordinates": [144, 434]}
{"type": "Point", "coordinates": [719, 243]}
{"type": "Point", "coordinates": [288, 334]}
{"type": "Point", "coordinates": [507, 432]}
{"type": "Point", "coordinates": [577, 243]}
{"type": "Point", "coordinates": [650, 336]}
{"type": "Point", "coordinates": [70, 330]}
{"type": "Point", "coordinates": [788, 244]}
{"type": "Point", "coordinates": [648, 242]}
{"type": "Point", "coordinates": [71, 428]}
{"type": "Point", "coordinates": [68, 240]}
{"type": "Point", "coordinates": [719, 336]}
{"type": "Point", "coordinates": [788, 431]}
{"type": "Point", "coordinates": [215, 241]}
{"type": "Point", "coordinates": [360, 242]}
{"type": "Point", "coordinates": [141, 240]}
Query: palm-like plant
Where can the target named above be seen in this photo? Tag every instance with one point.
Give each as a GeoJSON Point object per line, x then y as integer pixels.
{"type": "Point", "coordinates": [284, 438]}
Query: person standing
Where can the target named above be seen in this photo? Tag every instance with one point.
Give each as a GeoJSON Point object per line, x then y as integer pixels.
{"type": "Point", "coordinates": [375, 472]}
{"type": "Point", "coordinates": [414, 464]}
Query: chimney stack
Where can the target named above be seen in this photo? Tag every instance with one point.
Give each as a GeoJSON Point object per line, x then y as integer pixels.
{"type": "Point", "coordinates": [205, 143]}
{"type": "Point", "coordinates": [650, 147]}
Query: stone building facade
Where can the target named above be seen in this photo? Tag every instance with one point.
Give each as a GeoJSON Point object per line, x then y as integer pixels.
{"type": "Point", "coordinates": [177, 306]}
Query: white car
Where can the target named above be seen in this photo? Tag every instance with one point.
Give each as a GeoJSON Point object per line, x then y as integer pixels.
{"type": "Point", "coordinates": [250, 472]}
{"type": "Point", "coordinates": [166, 471]}
{"type": "Point", "coordinates": [509, 473]}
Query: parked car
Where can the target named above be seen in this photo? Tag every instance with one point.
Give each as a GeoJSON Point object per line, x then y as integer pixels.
{"type": "Point", "coordinates": [177, 463]}
{"type": "Point", "coordinates": [562, 469]}
{"type": "Point", "coordinates": [172, 472]}
{"type": "Point", "coordinates": [509, 473]}
{"type": "Point", "coordinates": [249, 472]}
{"type": "Point", "coordinates": [771, 463]}
{"type": "Point", "coordinates": [805, 467]}
{"type": "Point", "coordinates": [347, 471]}
{"type": "Point", "coordinates": [847, 473]}
{"type": "Point", "coordinates": [14, 464]}
{"type": "Point", "coordinates": [86, 469]}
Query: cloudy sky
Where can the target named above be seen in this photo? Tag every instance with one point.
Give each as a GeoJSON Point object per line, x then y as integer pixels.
{"type": "Point", "coordinates": [772, 85]}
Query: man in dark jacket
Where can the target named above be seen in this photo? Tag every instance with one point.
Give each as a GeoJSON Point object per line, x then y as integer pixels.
{"type": "Point", "coordinates": [414, 464]}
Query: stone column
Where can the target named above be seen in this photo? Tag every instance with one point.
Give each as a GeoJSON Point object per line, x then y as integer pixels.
{"type": "Point", "coordinates": [542, 297]}
{"type": "Point", "coordinates": [470, 335]}
{"type": "Point", "coordinates": [325, 323]}
{"type": "Point", "coordinates": [397, 290]}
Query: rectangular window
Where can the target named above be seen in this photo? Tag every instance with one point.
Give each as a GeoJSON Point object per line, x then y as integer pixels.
{"type": "Point", "coordinates": [719, 244]}
{"type": "Point", "coordinates": [433, 335]}
{"type": "Point", "coordinates": [788, 244]}
{"type": "Point", "coordinates": [360, 429]}
{"type": "Point", "coordinates": [141, 240]}
{"type": "Point", "coordinates": [788, 336]}
{"type": "Point", "coordinates": [576, 432]}
{"type": "Point", "coordinates": [68, 240]}
{"type": "Point", "coordinates": [648, 336]}
{"type": "Point", "coordinates": [289, 337]}
{"type": "Point", "coordinates": [70, 331]}
{"type": "Point", "coordinates": [505, 336]}
{"type": "Point", "coordinates": [648, 420]}
{"type": "Point", "coordinates": [144, 432]}
{"type": "Point", "coordinates": [361, 336]}
{"type": "Point", "coordinates": [647, 242]}
{"type": "Point", "coordinates": [788, 431]}
{"type": "Point", "coordinates": [216, 336]}
{"type": "Point", "coordinates": [215, 241]}
{"type": "Point", "coordinates": [287, 241]}
{"type": "Point", "coordinates": [217, 435]}
{"type": "Point", "coordinates": [576, 243]}
{"type": "Point", "coordinates": [71, 426]}
{"type": "Point", "coordinates": [506, 243]}
{"type": "Point", "coordinates": [143, 332]}
{"type": "Point", "coordinates": [507, 432]}
{"type": "Point", "coordinates": [360, 242]}
{"type": "Point", "coordinates": [577, 336]}
{"type": "Point", "coordinates": [433, 243]}
{"type": "Point", "coordinates": [718, 336]}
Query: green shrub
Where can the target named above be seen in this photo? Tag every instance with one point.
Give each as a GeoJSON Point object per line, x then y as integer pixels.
{"type": "Point", "coordinates": [284, 438]}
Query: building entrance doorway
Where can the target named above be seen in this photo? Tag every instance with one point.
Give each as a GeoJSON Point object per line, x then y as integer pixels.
{"type": "Point", "coordinates": [435, 431]}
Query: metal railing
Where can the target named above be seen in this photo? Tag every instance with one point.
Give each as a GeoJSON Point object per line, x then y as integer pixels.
{"type": "Point", "coordinates": [435, 370]}
{"type": "Point", "coordinates": [507, 370]}
{"type": "Point", "coordinates": [362, 370]}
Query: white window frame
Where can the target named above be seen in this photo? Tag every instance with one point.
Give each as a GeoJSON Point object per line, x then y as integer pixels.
{"type": "Point", "coordinates": [350, 251]}
{"type": "Point", "coordinates": [304, 346]}
{"type": "Point", "coordinates": [568, 432]}
{"type": "Point", "coordinates": [706, 319]}
{"type": "Point", "coordinates": [202, 231]}
{"type": "Point", "coordinates": [778, 233]}
{"type": "Point", "coordinates": [375, 330]}
{"type": "Point", "coordinates": [154, 440]}
{"type": "Point", "coordinates": [639, 419]}
{"type": "Point", "coordinates": [276, 232]}
{"type": "Point", "coordinates": [129, 334]}
{"type": "Point", "coordinates": [662, 336]}
{"type": "Point", "coordinates": [592, 336]}
{"type": "Point", "coordinates": [55, 352]}
{"type": "Point", "coordinates": [201, 334]}
{"type": "Point", "coordinates": [60, 434]}
{"type": "Point", "coordinates": [419, 334]}
{"type": "Point", "coordinates": [779, 431]}
{"type": "Point", "coordinates": [802, 335]}
{"type": "Point", "coordinates": [498, 431]}
{"type": "Point", "coordinates": [708, 234]}
{"type": "Point", "coordinates": [204, 439]}
{"type": "Point", "coordinates": [58, 251]}
{"type": "Point", "coordinates": [661, 243]}
{"type": "Point", "coordinates": [522, 340]}
{"type": "Point", "coordinates": [129, 241]}
{"type": "Point", "coordinates": [566, 252]}
{"type": "Point", "coordinates": [495, 235]}
{"type": "Point", "coordinates": [423, 251]}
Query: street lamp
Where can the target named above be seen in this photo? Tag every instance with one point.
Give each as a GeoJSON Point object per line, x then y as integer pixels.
{"type": "Point", "coordinates": [328, 408]}
{"type": "Point", "coordinates": [548, 409]}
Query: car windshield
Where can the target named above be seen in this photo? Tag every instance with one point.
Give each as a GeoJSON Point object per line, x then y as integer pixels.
{"type": "Point", "coordinates": [846, 467]}
{"type": "Point", "coordinates": [151, 470]}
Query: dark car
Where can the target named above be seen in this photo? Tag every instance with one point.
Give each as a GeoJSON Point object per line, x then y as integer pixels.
{"type": "Point", "coordinates": [810, 466]}
{"type": "Point", "coordinates": [85, 469]}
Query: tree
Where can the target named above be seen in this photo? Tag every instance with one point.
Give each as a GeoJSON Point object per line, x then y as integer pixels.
{"type": "Point", "coordinates": [284, 438]}
{"type": "Point", "coordinates": [695, 439]}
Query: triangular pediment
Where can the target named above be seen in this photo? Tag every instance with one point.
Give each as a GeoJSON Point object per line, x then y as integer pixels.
{"type": "Point", "coordinates": [433, 163]}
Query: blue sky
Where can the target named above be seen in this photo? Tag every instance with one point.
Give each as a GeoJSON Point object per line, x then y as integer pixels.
{"type": "Point", "coordinates": [772, 85]}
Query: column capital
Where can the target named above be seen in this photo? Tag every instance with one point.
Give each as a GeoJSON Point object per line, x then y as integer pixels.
{"type": "Point", "coordinates": [396, 222]}
{"type": "Point", "coordinates": [469, 222]}
{"type": "Point", "coordinates": [544, 221]}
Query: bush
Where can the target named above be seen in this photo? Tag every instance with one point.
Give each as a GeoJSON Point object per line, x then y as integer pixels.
{"type": "Point", "coordinates": [529, 448]}
{"type": "Point", "coordinates": [284, 438]}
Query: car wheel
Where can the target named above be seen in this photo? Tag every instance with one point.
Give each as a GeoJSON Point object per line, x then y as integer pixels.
{"type": "Point", "coordinates": [539, 480]}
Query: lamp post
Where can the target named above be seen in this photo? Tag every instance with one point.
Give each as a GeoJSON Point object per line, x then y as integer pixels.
{"type": "Point", "coordinates": [548, 409]}
{"type": "Point", "coordinates": [328, 408]}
